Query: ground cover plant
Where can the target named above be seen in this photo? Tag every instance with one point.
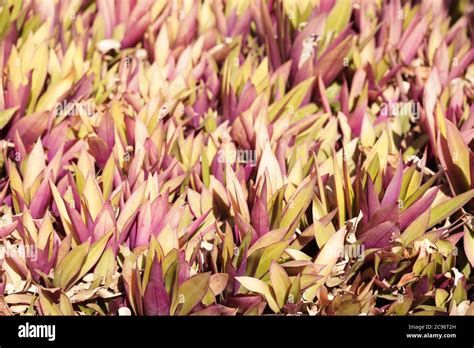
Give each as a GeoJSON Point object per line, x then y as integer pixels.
{"type": "Point", "coordinates": [250, 157]}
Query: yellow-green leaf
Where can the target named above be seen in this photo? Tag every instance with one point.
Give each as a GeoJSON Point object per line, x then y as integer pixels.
{"type": "Point", "coordinates": [445, 209]}
{"type": "Point", "coordinates": [280, 282]}
{"type": "Point", "coordinates": [6, 115]}
{"type": "Point", "coordinates": [260, 287]}
{"type": "Point", "coordinates": [192, 291]}
{"type": "Point", "coordinates": [271, 253]}
{"type": "Point", "coordinates": [94, 254]}
{"type": "Point", "coordinates": [417, 228]}
{"type": "Point", "coordinates": [70, 265]}
{"type": "Point", "coordinates": [339, 16]}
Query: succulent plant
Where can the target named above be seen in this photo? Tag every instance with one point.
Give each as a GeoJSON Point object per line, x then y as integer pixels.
{"type": "Point", "coordinates": [236, 157]}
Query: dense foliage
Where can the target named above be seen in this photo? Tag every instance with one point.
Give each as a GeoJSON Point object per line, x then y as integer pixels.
{"type": "Point", "coordinates": [238, 157]}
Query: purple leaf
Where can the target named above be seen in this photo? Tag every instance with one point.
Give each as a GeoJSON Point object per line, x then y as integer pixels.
{"type": "Point", "coordinates": [418, 208]}
{"type": "Point", "coordinates": [393, 190]}
{"type": "Point", "coordinates": [155, 299]}
{"type": "Point", "coordinates": [379, 236]}
{"type": "Point", "coordinates": [259, 216]}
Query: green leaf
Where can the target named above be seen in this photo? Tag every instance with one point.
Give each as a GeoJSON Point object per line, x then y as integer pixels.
{"type": "Point", "coordinates": [39, 73]}
{"type": "Point", "coordinates": [292, 99]}
{"type": "Point", "coordinates": [469, 244]}
{"type": "Point", "coordinates": [105, 266]}
{"type": "Point", "coordinates": [339, 16]}
{"type": "Point", "coordinates": [441, 297]}
{"type": "Point", "coordinates": [260, 78]}
{"type": "Point", "coordinates": [131, 208]}
{"type": "Point", "coordinates": [4, 20]}
{"type": "Point", "coordinates": [460, 293]}
{"type": "Point", "coordinates": [205, 169]}
{"type": "Point", "coordinates": [108, 177]}
{"type": "Point", "coordinates": [48, 307]}
{"type": "Point", "coordinates": [6, 115]}
{"type": "Point", "coordinates": [192, 291]}
{"type": "Point", "coordinates": [271, 253]}
{"type": "Point", "coordinates": [419, 190]}
{"type": "Point", "coordinates": [322, 232]}
{"type": "Point", "coordinates": [280, 282]}
{"type": "Point", "coordinates": [297, 204]}
{"type": "Point", "coordinates": [459, 152]}
{"type": "Point", "coordinates": [94, 254]}
{"type": "Point", "coordinates": [267, 239]}
{"type": "Point", "coordinates": [339, 189]}
{"type": "Point", "coordinates": [54, 93]}
{"type": "Point", "coordinates": [295, 290]}
{"type": "Point", "coordinates": [327, 258]}
{"type": "Point", "coordinates": [417, 228]}
{"type": "Point", "coordinates": [448, 207]}
{"type": "Point", "coordinates": [70, 266]}
{"type": "Point", "coordinates": [260, 287]}
{"type": "Point", "coordinates": [276, 206]}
